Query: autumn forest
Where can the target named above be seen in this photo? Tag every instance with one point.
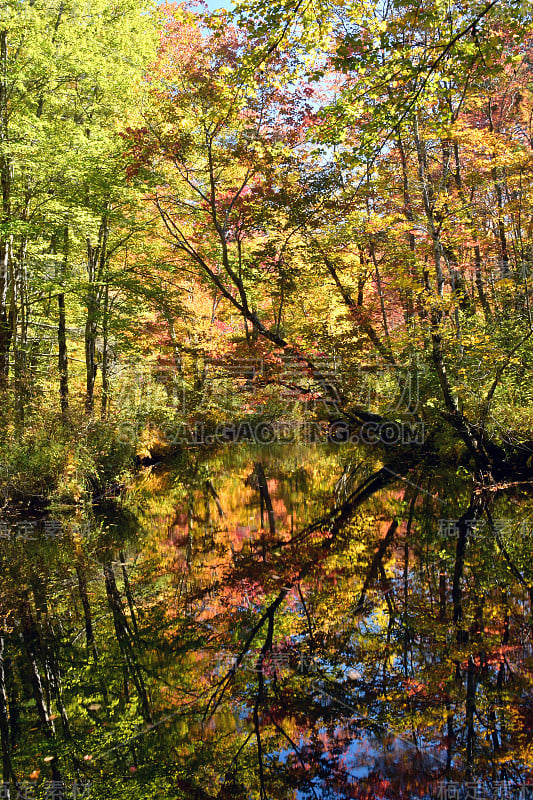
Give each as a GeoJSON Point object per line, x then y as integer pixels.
{"type": "Point", "coordinates": [266, 418]}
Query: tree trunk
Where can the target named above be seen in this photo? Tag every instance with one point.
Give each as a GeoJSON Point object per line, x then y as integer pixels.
{"type": "Point", "coordinates": [105, 344]}
{"type": "Point", "coordinates": [127, 592]}
{"type": "Point", "coordinates": [91, 327]}
{"type": "Point", "coordinates": [7, 767]}
{"type": "Point", "coordinates": [96, 259]}
{"type": "Point", "coordinates": [6, 241]}
{"type": "Point", "coordinates": [428, 197]}
{"type": "Point", "coordinates": [471, 683]}
{"type": "Point", "coordinates": [30, 637]}
{"type": "Point", "coordinates": [474, 511]}
{"type": "Point", "coordinates": [61, 333]}
{"type": "Point", "coordinates": [123, 635]}
{"type": "Point", "coordinates": [265, 496]}
{"type": "Point", "coordinates": [89, 633]}
{"type": "Point", "coordinates": [62, 356]}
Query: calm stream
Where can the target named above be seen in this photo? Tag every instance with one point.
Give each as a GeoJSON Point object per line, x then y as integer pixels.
{"type": "Point", "coordinates": [224, 633]}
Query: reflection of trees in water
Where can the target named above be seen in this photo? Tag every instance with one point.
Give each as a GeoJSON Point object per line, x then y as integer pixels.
{"type": "Point", "coordinates": [247, 642]}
